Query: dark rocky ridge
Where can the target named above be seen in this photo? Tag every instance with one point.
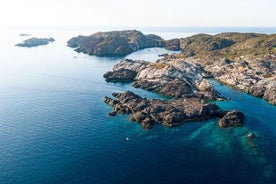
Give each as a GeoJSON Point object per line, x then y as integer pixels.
{"type": "Point", "coordinates": [233, 118]}
{"type": "Point", "coordinates": [121, 75]}
{"type": "Point", "coordinates": [119, 43]}
{"type": "Point", "coordinates": [149, 112]}
{"type": "Point", "coordinates": [34, 42]}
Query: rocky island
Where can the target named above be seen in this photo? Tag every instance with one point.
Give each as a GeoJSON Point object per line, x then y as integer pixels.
{"type": "Point", "coordinates": [119, 43]}
{"type": "Point", "coordinates": [34, 42]}
{"type": "Point", "coordinates": [184, 81]}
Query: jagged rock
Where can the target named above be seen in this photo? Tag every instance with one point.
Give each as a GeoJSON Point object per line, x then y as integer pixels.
{"type": "Point", "coordinates": [113, 113]}
{"type": "Point", "coordinates": [168, 76]}
{"type": "Point", "coordinates": [169, 113]}
{"type": "Point", "coordinates": [173, 88]}
{"type": "Point", "coordinates": [232, 118]}
{"type": "Point", "coordinates": [147, 123]}
{"type": "Point", "coordinates": [34, 42]}
{"type": "Point", "coordinates": [121, 75]}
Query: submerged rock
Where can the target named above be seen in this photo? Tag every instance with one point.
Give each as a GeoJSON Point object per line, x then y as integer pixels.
{"type": "Point", "coordinates": [232, 118]}
{"type": "Point", "coordinates": [250, 135]}
{"type": "Point", "coordinates": [34, 42]}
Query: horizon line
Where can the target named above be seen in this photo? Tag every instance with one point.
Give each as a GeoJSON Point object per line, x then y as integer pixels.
{"type": "Point", "coordinates": [127, 26]}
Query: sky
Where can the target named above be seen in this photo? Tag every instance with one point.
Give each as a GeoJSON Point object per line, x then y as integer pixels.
{"type": "Point", "coordinates": [179, 13]}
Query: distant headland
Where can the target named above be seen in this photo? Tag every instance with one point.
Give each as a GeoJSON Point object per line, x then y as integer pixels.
{"type": "Point", "coordinates": [119, 43]}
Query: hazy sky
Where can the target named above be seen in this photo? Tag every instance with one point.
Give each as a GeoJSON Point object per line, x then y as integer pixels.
{"type": "Point", "coordinates": [139, 12]}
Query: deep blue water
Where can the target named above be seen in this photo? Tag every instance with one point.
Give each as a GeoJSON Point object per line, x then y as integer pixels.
{"type": "Point", "coordinates": [54, 126]}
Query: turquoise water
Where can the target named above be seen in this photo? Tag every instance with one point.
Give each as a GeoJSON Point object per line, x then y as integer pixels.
{"type": "Point", "coordinates": [54, 127]}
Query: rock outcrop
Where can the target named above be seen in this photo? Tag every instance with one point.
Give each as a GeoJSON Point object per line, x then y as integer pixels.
{"type": "Point", "coordinates": [121, 75]}
{"type": "Point", "coordinates": [246, 61]}
{"type": "Point", "coordinates": [149, 112]}
{"type": "Point", "coordinates": [168, 76]}
{"type": "Point", "coordinates": [173, 44]}
{"type": "Point", "coordinates": [232, 118]}
{"type": "Point", "coordinates": [34, 42]}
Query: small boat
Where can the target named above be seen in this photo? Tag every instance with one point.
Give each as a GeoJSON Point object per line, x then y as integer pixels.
{"type": "Point", "coordinates": [127, 138]}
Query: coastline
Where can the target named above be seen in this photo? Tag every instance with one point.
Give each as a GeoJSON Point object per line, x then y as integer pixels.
{"type": "Point", "coordinates": [55, 99]}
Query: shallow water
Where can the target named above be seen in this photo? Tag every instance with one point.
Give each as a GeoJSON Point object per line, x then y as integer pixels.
{"type": "Point", "coordinates": [54, 127]}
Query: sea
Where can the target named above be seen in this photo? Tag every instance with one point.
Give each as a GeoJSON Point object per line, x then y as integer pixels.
{"type": "Point", "coordinates": [54, 126]}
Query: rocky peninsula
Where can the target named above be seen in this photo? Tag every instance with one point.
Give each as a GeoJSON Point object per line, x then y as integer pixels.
{"type": "Point", "coordinates": [246, 61]}
{"type": "Point", "coordinates": [34, 42]}
{"type": "Point", "coordinates": [119, 43]}
{"type": "Point", "coordinates": [184, 81]}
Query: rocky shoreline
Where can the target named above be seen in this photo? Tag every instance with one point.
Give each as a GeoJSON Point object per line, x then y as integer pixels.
{"type": "Point", "coordinates": [149, 112]}
{"type": "Point", "coordinates": [245, 61]}
{"type": "Point", "coordinates": [173, 77]}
